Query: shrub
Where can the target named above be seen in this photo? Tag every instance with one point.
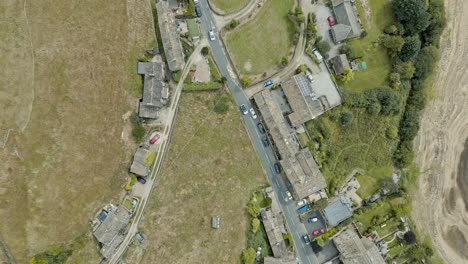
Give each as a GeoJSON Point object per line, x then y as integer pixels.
{"type": "Point", "coordinates": [410, 237]}
{"type": "Point", "coordinates": [255, 225]}
{"type": "Point", "coordinates": [205, 50]}
{"type": "Point", "coordinates": [248, 256]}
{"type": "Point", "coordinates": [245, 80]}
{"type": "Point", "coordinates": [346, 118]}
{"type": "Point", "coordinates": [322, 46]}
{"type": "Point", "coordinates": [284, 61]}
{"type": "Point", "coordinates": [138, 132]}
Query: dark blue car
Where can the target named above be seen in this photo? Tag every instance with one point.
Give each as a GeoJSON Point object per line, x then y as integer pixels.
{"type": "Point", "coordinates": [198, 11]}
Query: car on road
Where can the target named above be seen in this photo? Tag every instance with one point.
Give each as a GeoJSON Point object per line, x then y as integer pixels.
{"type": "Point", "coordinates": [312, 219]}
{"type": "Point", "coordinates": [155, 138]}
{"type": "Point", "coordinates": [261, 128]}
{"type": "Point", "coordinates": [265, 142]}
{"type": "Point", "coordinates": [253, 114]}
{"type": "Point", "coordinates": [141, 180]}
{"type": "Point", "coordinates": [288, 195]}
{"type": "Point", "coordinates": [277, 167]}
{"type": "Point", "coordinates": [301, 202]}
{"type": "Point", "coordinates": [212, 35]}
{"type": "Point", "coordinates": [306, 239]}
{"type": "Point", "coordinates": [268, 83]}
{"type": "Point", "coordinates": [243, 109]}
{"type": "Point", "coordinates": [331, 21]}
{"type": "Point", "coordinates": [198, 11]}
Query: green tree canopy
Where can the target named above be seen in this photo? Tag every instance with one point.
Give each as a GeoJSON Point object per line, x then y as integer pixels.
{"type": "Point", "coordinates": [410, 49]}
{"type": "Point", "coordinates": [412, 14]}
{"type": "Point", "coordinates": [248, 255]}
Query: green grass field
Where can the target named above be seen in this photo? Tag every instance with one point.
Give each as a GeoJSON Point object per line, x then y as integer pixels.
{"type": "Point", "coordinates": [211, 169]}
{"type": "Point", "coordinates": [229, 6]}
{"type": "Point", "coordinates": [378, 63]}
{"type": "Point", "coordinates": [258, 45]}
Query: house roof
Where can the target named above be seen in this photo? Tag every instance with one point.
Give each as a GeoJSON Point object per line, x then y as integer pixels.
{"type": "Point", "coordinates": [290, 259]}
{"type": "Point", "coordinates": [356, 250]}
{"type": "Point", "coordinates": [115, 222]}
{"type": "Point", "coordinates": [302, 99]}
{"type": "Point", "coordinates": [139, 166]}
{"type": "Point", "coordinates": [340, 63]}
{"type": "Point", "coordinates": [274, 234]}
{"type": "Point", "coordinates": [347, 25]}
{"type": "Point", "coordinates": [299, 165]}
{"type": "Point", "coordinates": [152, 90]}
{"type": "Point", "coordinates": [338, 211]}
{"type": "Point", "coordinates": [170, 37]}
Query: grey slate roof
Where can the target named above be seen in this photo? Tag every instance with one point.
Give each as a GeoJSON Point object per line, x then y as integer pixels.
{"type": "Point", "coordinates": [139, 166]}
{"type": "Point", "coordinates": [153, 88]}
{"type": "Point", "coordinates": [347, 25]}
{"type": "Point", "coordinates": [338, 211]}
{"type": "Point", "coordinates": [170, 37]}
{"type": "Point", "coordinates": [274, 234]}
{"type": "Point", "coordinates": [340, 63]}
{"type": "Point", "coordinates": [111, 232]}
{"type": "Point", "coordinates": [356, 250]}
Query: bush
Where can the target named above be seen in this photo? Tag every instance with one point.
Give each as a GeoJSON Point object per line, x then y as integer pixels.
{"type": "Point", "coordinates": [405, 69]}
{"type": "Point", "coordinates": [138, 132]}
{"type": "Point", "coordinates": [284, 61]}
{"type": "Point", "coordinates": [410, 49]}
{"type": "Point", "coordinates": [322, 46]}
{"type": "Point", "coordinates": [403, 155]}
{"type": "Point", "coordinates": [205, 50]}
{"type": "Point", "coordinates": [245, 80]}
{"type": "Point", "coordinates": [233, 24]}
{"type": "Point", "coordinates": [255, 225]}
{"type": "Point", "coordinates": [346, 118]}
{"type": "Point", "coordinates": [348, 75]}
{"type": "Point", "coordinates": [248, 256]}
{"type": "Point", "coordinates": [348, 50]}
{"type": "Point", "coordinates": [301, 68]}
{"type": "Point", "coordinates": [410, 237]}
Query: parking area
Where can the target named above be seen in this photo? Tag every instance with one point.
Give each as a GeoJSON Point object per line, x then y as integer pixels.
{"type": "Point", "coordinates": [323, 28]}
{"type": "Point", "coordinates": [311, 226]}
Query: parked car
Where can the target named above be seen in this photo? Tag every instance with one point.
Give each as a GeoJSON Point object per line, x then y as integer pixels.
{"type": "Point", "coordinates": [277, 167]}
{"type": "Point", "coordinates": [195, 1]}
{"type": "Point", "coordinates": [265, 142]}
{"type": "Point", "coordinates": [318, 55]}
{"type": "Point", "coordinates": [253, 114]}
{"type": "Point", "coordinates": [268, 83]}
{"type": "Point", "coordinates": [141, 180]}
{"type": "Point", "coordinates": [212, 35]}
{"type": "Point", "coordinates": [312, 219]}
{"type": "Point", "coordinates": [306, 239]}
{"type": "Point", "coordinates": [331, 21]}
{"type": "Point", "coordinates": [243, 109]}
{"type": "Point", "coordinates": [301, 202]}
{"type": "Point", "coordinates": [198, 11]}
{"type": "Point", "coordinates": [288, 195]}
{"type": "Point", "coordinates": [155, 138]}
{"type": "Point", "coordinates": [319, 231]}
{"type": "Point", "coordinates": [261, 128]}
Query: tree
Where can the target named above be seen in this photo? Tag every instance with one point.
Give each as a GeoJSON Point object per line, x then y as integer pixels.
{"type": "Point", "coordinates": [348, 50]}
{"type": "Point", "coordinates": [245, 80]}
{"type": "Point", "coordinates": [405, 69]}
{"type": "Point", "coordinates": [348, 75]}
{"type": "Point", "coordinates": [284, 61]}
{"type": "Point", "coordinates": [253, 208]}
{"type": "Point", "coordinates": [389, 100]}
{"type": "Point", "coordinates": [138, 133]}
{"type": "Point", "coordinates": [248, 255]}
{"type": "Point", "coordinates": [410, 237]}
{"type": "Point", "coordinates": [322, 46]}
{"type": "Point", "coordinates": [403, 155]}
{"type": "Point", "coordinates": [409, 124]}
{"type": "Point", "coordinates": [425, 61]}
{"type": "Point", "coordinates": [395, 79]}
{"type": "Point", "coordinates": [346, 118]}
{"type": "Point", "coordinates": [410, 49]}
{"type": "Point", "coordinates": [301, 68]}
{"type": "Point", "coordinates": [437, 23]}
{"type": "Point", "coordinates": [205, 50]}
{"type": "Point", "coordinates": [255, 225]}
{"type": "Point", "coordinates": [374, 108]}
{"type": "Point", "coordinates": [412, 14]}
{"type": "Point", "coordinates": [391, 30]}
{"type": "Point", "coordinates": [392, 43]}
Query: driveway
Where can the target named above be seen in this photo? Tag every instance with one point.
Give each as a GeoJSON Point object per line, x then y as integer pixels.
{"type": "Point", "coordinates": [322, 12]}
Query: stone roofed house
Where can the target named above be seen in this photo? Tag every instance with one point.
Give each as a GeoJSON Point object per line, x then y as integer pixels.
{"type": "Point", "coordinates": [340, 64]}
{"type": "Point", "coordinates": [308, 100]}
{"type": "Point", "coordinates": [110, 233]}
{"type": "Point", "coordinates": [290, 259]}
{"type": "Point", "coordinates": [272, 226]}
{"type": "Point", "coordinates": [298, 165]}
{"type": "Point", "coordinates": [338, 211]}
{"type": "Point", "coordinates": [356, 250]}
{"type": "Point", "coordinates": [347, 24]}
{"type": "Point", "coordinates": [139, 166]}
{"type": "Point", "coordinates": [153, 89]}
{"type": "Point", "coordinates": [170, 37]}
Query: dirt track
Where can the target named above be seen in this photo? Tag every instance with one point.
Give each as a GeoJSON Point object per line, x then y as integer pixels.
{"type": "Point", "coordinates": [441, 202]}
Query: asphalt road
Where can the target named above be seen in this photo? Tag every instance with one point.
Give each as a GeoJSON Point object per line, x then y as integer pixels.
{"type": "Point", "coordinates": [295, 227]}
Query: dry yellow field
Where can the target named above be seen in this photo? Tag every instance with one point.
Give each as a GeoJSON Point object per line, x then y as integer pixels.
{"type": "Point", "coordinates": [64, 92]}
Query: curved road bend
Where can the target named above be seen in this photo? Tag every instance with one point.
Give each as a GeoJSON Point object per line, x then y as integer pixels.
{"type": "Point", "coordinates": [295, 227]}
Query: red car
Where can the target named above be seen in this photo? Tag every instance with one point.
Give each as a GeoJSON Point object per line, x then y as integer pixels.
{"type": "Point", "coordinates": [154, 139]}
{"type": "Point", "coordinates": [319, 231]}
{"type": "Point", "coordinates": [331, 21]}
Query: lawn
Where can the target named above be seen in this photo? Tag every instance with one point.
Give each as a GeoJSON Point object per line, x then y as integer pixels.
{"type": "Point", "coordinates": [370, 181]}
{"type": "Point", "coordinates": [259, 45]}
{"type": "Point", "coordinates": [375, 56]}
{"type": "Point", "coordinates": [193, 28]}
{"type": "Point", "coordinates": [229, 6]}
{"type": "Point", "coordinates": [362, 144]}
{"type": "Point", "coordinates": [64, 91]}
{"type": "Point", "coordinates": [211, 169]}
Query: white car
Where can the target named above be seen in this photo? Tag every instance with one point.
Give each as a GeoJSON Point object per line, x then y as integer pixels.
{"type": "Point", "coordinates": [288, 195]}
{"type": "Point", "coordinates": [253, 114]}
{"type": "Point", "coordinates": [212, 35]}
{"type": "Point", "coordinates": [302, 202]}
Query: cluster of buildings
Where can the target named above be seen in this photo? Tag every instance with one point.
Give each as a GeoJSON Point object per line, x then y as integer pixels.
{"type": "Point", "coordinates": [284, 110]}
{"type": "Point", "coordinates": [347, 25]}
{"type": "Point", "coordinates": [355, 249]}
